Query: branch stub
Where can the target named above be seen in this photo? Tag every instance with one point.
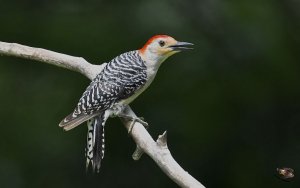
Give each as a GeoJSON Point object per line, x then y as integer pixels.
{"type": "Point", "coordinates": [162, 140]}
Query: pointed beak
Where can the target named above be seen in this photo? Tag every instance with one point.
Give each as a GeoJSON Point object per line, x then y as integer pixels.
{"type": "Point", "coordinates": [180, 46]}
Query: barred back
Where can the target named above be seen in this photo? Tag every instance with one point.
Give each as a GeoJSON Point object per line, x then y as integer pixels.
{"type": "Point", "coordinates": [120, 79]}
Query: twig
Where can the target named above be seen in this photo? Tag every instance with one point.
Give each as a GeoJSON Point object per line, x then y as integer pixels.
{"type": "Point", "coordinates": [158, 150]}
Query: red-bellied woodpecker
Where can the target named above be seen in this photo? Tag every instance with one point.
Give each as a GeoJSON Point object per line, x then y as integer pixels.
{"type": "Point", "coordinates": [119, 83]}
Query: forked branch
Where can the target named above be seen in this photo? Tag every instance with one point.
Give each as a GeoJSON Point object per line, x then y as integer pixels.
{"type": "Point", "coordinates": [158, 150]}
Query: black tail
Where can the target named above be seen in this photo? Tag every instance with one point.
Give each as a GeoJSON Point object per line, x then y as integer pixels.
{"type": "Point", "coordinates": [95, 142]}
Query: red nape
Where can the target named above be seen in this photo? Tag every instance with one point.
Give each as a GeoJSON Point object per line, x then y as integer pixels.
{"type": "Point", "coordinates": [142, 50]}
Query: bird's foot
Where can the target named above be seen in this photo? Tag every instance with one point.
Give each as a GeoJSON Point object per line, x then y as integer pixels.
{"type": "Point", "coordinates": [133, 120]}
{"type": "Point", "coordinates": [140, 120]}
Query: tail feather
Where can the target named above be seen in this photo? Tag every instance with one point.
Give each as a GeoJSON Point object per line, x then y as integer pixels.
{"type": "Point", "coordinates": [90, 143]}
{"type": "Point", "coordinates": [73, 120]}
{"type": "Point", "coordinates": [95, 142]}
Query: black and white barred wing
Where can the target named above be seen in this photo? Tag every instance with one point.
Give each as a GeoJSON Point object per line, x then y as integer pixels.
{"type": "Point", "coordinates": [99, 96]}
{"type": "Point", "coordinates": [120, 79]}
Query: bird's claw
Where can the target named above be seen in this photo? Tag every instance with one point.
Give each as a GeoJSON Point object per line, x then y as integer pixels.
{"type": "Point", "coordinates": [140, 120]}
{"type": "Point", "coordinates": [133, 120]}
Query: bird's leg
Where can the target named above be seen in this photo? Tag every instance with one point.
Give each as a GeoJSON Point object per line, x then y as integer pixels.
{"type": "Point", "coordinates": [133, 120]}
{"type": "Point", "coordinates": [118, 110]}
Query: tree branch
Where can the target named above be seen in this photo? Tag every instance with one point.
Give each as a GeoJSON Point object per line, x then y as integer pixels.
{"type": "Point", "coordinates": [158, 150]}
{"type": "Point", "coordinates": [77, 64]}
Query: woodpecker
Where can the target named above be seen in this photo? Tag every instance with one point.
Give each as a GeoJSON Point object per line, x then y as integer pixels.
{"type": "Point", "coordinates": [122, 79]}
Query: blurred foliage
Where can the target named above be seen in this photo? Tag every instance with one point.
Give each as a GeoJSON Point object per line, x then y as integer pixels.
{"type": "Point", "coordinates": [231, 106]}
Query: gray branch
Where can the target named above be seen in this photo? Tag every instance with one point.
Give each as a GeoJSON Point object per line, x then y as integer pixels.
{"type": "Point", "coordinates": [158, 150]}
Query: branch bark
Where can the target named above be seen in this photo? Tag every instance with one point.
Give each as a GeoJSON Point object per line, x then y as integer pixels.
{"type": "Point", "coordinates": [158, 150]}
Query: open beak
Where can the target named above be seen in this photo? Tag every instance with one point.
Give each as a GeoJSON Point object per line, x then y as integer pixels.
{"type": "Point", "coordinates": [179, 46]}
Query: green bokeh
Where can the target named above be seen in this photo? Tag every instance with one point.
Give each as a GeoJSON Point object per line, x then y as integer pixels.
{"type": "Point", "coordinates": [231, 106]}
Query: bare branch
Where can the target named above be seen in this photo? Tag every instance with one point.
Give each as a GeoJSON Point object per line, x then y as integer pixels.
{"type": "Point", "coordinates": [77, 64]}
{"type": "Point", "coordinates": [158, 151]}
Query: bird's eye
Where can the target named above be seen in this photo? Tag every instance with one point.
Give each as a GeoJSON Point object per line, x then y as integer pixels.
{"type": "Point", "coordinates": [161, 43]}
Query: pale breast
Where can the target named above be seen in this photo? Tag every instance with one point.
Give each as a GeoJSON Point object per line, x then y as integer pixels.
{"type": "Point", "coordinates": [150, 78]}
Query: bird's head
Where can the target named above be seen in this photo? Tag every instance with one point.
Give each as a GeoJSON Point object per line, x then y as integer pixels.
{"type": "Point", "coordinates": [160, 47]}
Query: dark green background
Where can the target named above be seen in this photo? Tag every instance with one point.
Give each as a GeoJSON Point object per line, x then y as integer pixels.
{"type": "Point", "coordinates": [231, 106]}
